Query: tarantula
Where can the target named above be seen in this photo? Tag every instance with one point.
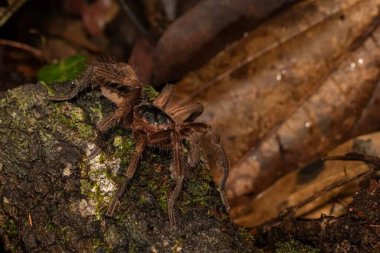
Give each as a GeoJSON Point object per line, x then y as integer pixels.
{"type": "Point", "coordinates": [118, 82]}
{"type": "Point", "coordinates": [153, 124]}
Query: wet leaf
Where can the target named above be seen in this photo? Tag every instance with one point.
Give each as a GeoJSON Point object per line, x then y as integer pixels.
{"type": "Point", "coordinates": [67, 69]}
{"type": "Point", "coordinates": [197, 27]}
{"type": "Point", "coordinates": [290, 90]}
{"type": "Point", "coordinates": [303, 183]}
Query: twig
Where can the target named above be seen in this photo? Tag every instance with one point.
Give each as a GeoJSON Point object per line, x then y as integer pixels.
{"type": "Point", "coordinates": [373, 160]}
{"type": "Point", "coordinates": [328, 188]}
{"type": "Point", "coordinates": [353, 156]}
{"type": "Point", "coordinates": [34, 51]}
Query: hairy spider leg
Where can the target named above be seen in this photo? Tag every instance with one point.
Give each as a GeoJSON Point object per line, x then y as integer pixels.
{"type": "Point", "coordinates": [120, 73]}
{"type": "Point", "coordinates": [194, 149]}
{"type": "Point", "coordinates": [159, 137]}
{"type": "Point", "coordinates": [164, 97]}
{"type": "Point", "coordinates": [140, 146]}
{"type": "Point", "coordinates": [82, 83]}
{"type": "Point", "coordinates": [186, 113]}
{"type": "Point", "coordinates": [123, 110]}
{"type": "Point", "coordinates": [178, 175]}
{"type": "Point", "coordinates": [222, 161]}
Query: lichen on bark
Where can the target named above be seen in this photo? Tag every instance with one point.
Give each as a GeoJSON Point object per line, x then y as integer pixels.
{"type": "Point", "coordinates": [53, 197]}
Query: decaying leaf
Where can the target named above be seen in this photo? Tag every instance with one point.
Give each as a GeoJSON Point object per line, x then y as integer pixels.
{"type": "Point", "coordinates": [369, 119]}
{"type": "Point", "coordinates": [302, 184]}
{"type": "Point", "coordinates": [66, 69]}
{"type": "Point", "coordinates": [199, 26]}
{"type": "Point", "coordinates": [290, 90]}
{"type": "Point", "coordinates": [97, 15]}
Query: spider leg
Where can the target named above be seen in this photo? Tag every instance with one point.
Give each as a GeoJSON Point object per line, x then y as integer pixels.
{"type": "Point", "coordinates": [140, 146]}
{"type": "Point", "coordinates": [187, 113]}
{"type": "Point", "coordinates": [124, 107]}
{"type": "Point", "coordinates": [78, 87]}
{"type": "Point", "coordinates": [108, 122]}
{"type": "Point", "coordinates": [178, 175]}
{"type": "Point", "coordinates": [194, 149]}
{"type": "Point", "coordinates": [221, 159]}
{"type": "Point", "coordinates": [84, 81]}
{"type": "Point", "coordinates": [159, 137]}
{"type": "Point", "coordinates": [164, 97]}
{"type": "Point", "coordinates": [120, 73]}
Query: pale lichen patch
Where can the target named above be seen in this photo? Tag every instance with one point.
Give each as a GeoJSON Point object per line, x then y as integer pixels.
{"type": "Point", "coordinates": [97, 183]}
{"type": "Point", "coordinates": [90, 148]}
{"type": "Point", "coordinates": [85, 208]}
{"type": "Point", "coordinates": [5, 200]}
{"type": "Point", "coordinates": [67, 171]}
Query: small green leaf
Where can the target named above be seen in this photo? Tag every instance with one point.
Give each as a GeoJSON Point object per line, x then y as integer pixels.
{"type": "Point", "coordinates": [67, 69]}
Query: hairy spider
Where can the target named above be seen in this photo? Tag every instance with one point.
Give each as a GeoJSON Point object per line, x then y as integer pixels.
{"type": "Point", "coordinates": [153, 124]}
{"type": "Point", "coordinates": [118, 82]}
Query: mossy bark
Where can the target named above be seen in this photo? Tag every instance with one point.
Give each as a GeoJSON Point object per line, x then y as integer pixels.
{"type": "Point", "coordinates": [53, 198]}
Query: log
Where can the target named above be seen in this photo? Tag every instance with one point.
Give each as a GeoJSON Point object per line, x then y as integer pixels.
{"type": "Point", "coordinates": [53, 196]}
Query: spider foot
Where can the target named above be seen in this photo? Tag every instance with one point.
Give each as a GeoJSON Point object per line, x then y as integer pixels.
{"type": "Point", "coordinates": [224, 199]}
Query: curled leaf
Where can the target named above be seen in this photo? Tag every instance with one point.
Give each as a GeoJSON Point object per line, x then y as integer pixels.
{"type": "Point", "coordinates": [197, 27]}
{"type": "Point", "coordinates": [302, 184]}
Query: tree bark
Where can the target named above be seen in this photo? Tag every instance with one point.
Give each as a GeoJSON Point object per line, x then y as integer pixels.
{"type": "Point", "coordinates": [53, 197]}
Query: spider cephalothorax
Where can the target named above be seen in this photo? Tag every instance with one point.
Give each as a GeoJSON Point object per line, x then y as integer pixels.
{"type": "Point", "coordinates": [154, 124]}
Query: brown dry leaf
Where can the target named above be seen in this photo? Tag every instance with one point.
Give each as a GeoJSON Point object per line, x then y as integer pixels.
{"type": "Point", "coordinates": [65, 37]}
{"type": "Point", "coordinates": [96, 15]}
{"type": "Point", "coordinates": [302, 184]}
{"type": "Point", "coordinates": [290, 90]}
{"type": "Point", "coordinates": [141, 59]}
{"type": "Point", "coordinates": [199, 26]}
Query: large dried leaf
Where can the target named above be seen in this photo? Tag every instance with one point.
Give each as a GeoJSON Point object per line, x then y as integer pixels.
{"type": "Point", "coordinates": [197, 27]}
{"type": "Point", "coordinates": [290, 90]}
{"type": "Point", "coordinates": [310, 181]}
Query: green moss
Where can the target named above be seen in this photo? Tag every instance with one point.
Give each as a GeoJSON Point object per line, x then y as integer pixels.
{"type": "Point", "coordinates": [24, 101]}
{"type": "Point", "coordinates": [99, 244]}
{"type": "Point", "coordinates": [198, 190]}
{"type": "Point", "coordinates": [163, 201]}
{"type": "Point", "coordinates": [246, 235]}
{"type": "Point", "coordinates": [294, 246]}
{"type": "Point", "coordinates": [150, 92]}
{"type": "Point", "coordinates": [10, 228]}
{"type": "Point", "coordinates": [93, 188]}
{"type": "Point", "coordinates": [123, 145]}
{"type": "Point", "coordinates": [133, 247]}
{"type": "Point", "coordinates": [73, 117]}
{"type": "Point", "coordinates": [51, 227]}
{"type": "Point", "coordinates": [156, 186]}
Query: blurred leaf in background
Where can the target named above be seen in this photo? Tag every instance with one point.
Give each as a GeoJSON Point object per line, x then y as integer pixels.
{"type": "Point", "coordinates": [65, 70]}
